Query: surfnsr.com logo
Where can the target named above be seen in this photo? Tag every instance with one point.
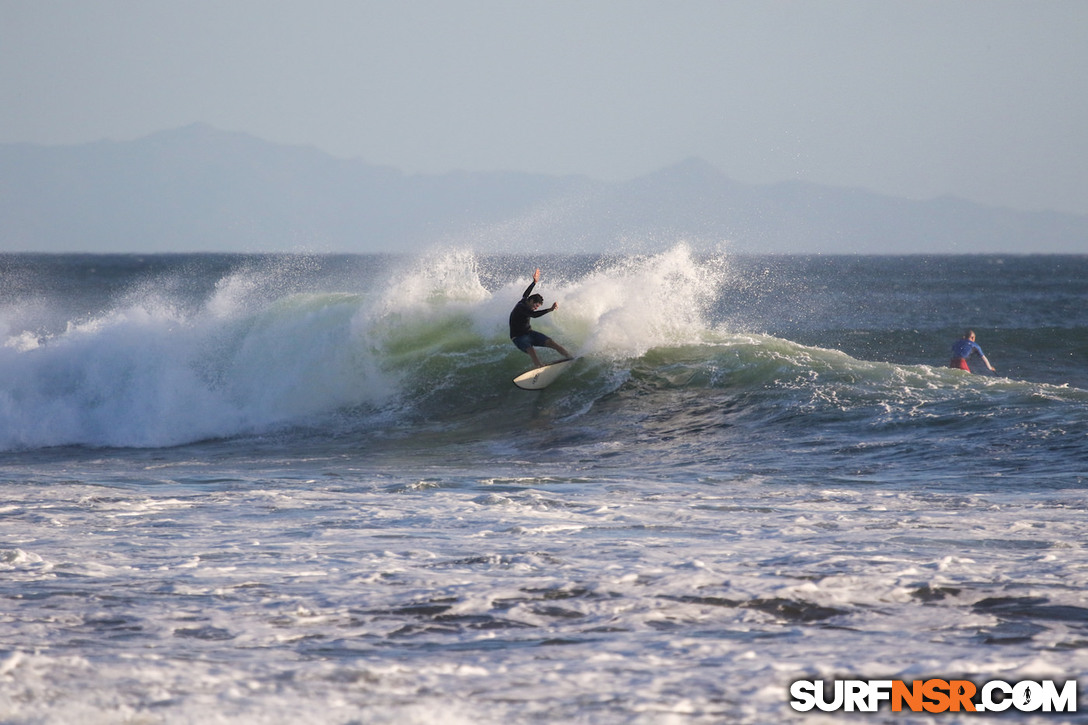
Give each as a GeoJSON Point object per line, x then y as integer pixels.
{"type": "Point", "coordinates": [934, 695]}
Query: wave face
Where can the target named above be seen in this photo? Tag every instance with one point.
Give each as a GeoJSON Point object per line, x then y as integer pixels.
{"type": "Point", "coordinates": [685, 355]}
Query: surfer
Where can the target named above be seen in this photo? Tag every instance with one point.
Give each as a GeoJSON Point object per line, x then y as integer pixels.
{"type": "Point", "coordinates": [964, 348]}
{"type": "Point", "coordinates": [521, 332]}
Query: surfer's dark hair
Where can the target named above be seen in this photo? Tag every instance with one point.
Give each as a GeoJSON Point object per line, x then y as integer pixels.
{"type": "Point", "coordinates": [535, 298]}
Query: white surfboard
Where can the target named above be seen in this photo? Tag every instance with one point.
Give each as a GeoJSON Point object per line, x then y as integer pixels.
{"type": "Point", "coordinates": [542, 377]}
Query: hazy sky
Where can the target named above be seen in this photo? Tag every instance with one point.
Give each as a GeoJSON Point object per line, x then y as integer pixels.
{"type": "Point", "coordinates": [982, 99]}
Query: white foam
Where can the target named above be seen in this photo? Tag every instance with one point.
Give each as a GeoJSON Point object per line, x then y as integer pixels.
{"type": "Point", "coordinates": [369, 596]}
{"type": "Point", "coordinates": [148, 374]}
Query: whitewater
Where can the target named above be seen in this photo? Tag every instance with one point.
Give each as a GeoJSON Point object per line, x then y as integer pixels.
{"type": "Point", "coordinates": [302, 488]}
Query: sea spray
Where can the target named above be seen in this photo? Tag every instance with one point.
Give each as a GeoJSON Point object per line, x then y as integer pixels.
{"type": "Point", "coordinates": [634, 304]}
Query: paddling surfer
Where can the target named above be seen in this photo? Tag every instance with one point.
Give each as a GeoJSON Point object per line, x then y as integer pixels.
{"type": "Point", "coordinates": [521, 332]}
{"type": "Point", "coordinates": [964, 348]}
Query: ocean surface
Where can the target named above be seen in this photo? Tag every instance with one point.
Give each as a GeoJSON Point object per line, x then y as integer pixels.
{"type": "Point", "coordinates": [302, 489]}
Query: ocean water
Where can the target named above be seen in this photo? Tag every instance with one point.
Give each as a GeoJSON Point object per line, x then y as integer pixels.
{"type": "Point", "coordinates": [283, 489]}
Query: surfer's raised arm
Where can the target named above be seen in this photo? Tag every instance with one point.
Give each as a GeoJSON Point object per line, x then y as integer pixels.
{"type": "Point", "coordinates": [521, 331]}
{"type": "Point", "coordinates": [529, 289]}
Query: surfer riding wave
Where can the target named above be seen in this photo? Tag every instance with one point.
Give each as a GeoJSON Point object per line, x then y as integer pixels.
{"type": "Point", "coordinates": [522, 333]}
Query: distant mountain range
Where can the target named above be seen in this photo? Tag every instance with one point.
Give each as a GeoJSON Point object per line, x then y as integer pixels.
{"type": "Point", "coordinates": [201, 189]}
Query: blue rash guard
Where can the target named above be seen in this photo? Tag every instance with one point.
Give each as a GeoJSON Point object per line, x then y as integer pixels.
{"type": "Point", "coordinates": [961, 350]}
{"type": "Point", "coordinates": [965, 348]}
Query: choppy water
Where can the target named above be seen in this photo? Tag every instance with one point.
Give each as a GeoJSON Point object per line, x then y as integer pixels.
{"type": "Point", "coordinates": [283, 489]}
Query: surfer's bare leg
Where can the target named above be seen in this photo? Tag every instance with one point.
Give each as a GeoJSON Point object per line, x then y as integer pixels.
{"type": "Point", "coordinates": [534, 357]}
{"type": "Point", "coordinates": [559, 348]}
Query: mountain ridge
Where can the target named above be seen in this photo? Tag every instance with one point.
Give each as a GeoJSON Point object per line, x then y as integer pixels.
{"type": "Point", "coordinates": [198, 188]}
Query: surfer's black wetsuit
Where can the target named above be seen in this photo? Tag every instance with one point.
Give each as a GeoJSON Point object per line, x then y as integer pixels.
{"type": "Point", "coordinates": [522, 313]}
